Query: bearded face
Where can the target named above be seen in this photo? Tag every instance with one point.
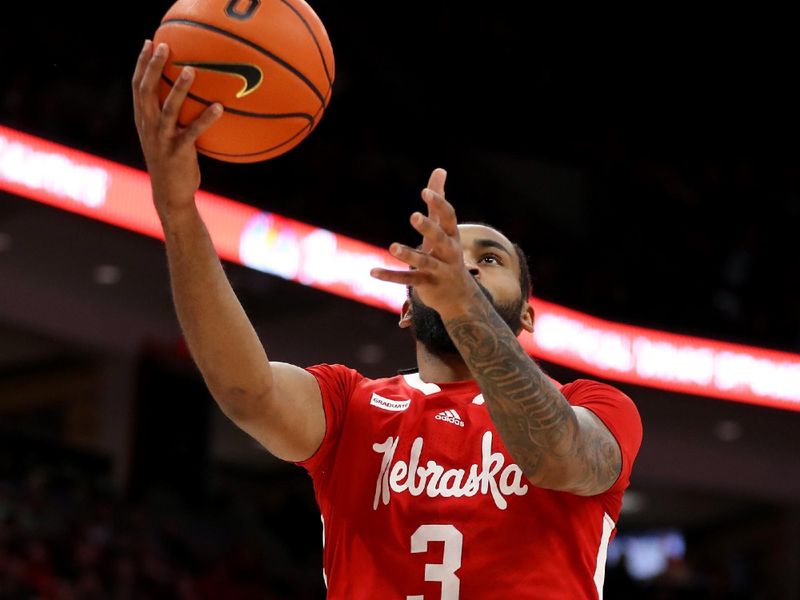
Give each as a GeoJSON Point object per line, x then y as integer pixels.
{"type": "Point", "coordinates": [428, 328]}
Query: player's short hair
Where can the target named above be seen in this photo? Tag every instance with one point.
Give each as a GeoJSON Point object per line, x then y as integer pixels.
{"type": "Point", "coordinates": [525, 285]}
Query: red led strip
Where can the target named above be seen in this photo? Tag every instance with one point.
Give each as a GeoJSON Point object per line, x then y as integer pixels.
{"type": "Point", "coordinates": [45, 172]}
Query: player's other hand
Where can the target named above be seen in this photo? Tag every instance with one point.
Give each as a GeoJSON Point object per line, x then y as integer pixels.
{"type": "Point", "coordinates": [438, 273]}
{"type": "Point", "coordinates": [169, 149]}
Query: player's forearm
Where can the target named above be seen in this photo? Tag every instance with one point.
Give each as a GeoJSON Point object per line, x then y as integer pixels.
{"type": "Point", "coordinates": [534, 420]}
{"type": "Point", "coordinates": [220, 337]}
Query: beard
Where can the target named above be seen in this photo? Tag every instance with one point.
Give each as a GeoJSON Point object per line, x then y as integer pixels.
{"type": "Point", "coordinates": [428, 328]}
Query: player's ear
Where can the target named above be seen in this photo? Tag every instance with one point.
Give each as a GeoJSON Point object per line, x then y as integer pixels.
{"type": "Point", "coordinates": [527, 317]}
{"type": "Point", "coordinates": [405, 315]}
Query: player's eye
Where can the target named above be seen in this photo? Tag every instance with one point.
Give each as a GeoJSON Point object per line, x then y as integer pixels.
{"type": "Point", "coordinates": [491, 257]}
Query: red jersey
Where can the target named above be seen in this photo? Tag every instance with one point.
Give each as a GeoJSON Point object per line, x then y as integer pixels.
{"type": "Point", "coordinates": [421, 501]}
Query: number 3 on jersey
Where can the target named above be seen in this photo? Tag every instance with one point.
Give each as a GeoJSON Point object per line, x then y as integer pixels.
{"type": "Point", "coordinates": [444, 573]}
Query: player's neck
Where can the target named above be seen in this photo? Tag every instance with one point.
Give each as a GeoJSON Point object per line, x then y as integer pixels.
{"type": "Point", "coordinates": [436, 368]}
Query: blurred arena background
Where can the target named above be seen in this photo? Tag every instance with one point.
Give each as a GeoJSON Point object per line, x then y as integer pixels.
{"type": "Point", "coordinates": [653, 180]}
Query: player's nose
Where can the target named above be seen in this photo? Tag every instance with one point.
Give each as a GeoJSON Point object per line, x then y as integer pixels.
{"type": "Point", "coordinates": [472, 267]}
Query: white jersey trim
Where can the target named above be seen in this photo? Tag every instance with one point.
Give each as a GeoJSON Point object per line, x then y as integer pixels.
{"type": "Point", "coordinates": [324, 575]}
{"type": "Point", "coordinates": [602, 553]}
{"type": "Point", "coordinates": [414, 380]}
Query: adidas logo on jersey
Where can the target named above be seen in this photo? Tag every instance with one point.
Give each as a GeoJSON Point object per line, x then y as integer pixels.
{"type": "Point", "coordinates": [450, 416]}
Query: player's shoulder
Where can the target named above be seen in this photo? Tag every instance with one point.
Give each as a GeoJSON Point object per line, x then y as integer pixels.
{"type": "Point", "coordinates": [616, 409]}
{"type": "Point", "coordinates": [397, 384]}
{"type": "Point", "coordinates": [356, 378]}
{"type": "Point", "coordinates": [336, 370]}
{"type": "Point", "coordinates": [581, 389]}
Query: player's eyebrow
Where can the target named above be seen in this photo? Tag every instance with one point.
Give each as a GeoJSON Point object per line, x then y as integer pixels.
{"type": "Point", "coordinates": [484, 243]}
{"type": "Point", "coordinates": [487, 243]}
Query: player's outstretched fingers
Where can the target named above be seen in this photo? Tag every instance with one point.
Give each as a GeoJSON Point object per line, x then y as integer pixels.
{"type": "Point", "coordinates": [203, 122]}
{"type": "Point", "coordinates": [437, 179]}
{"type": "Point", "coordinates": [148, 87]}
{"type": "Point", "coordinates": [175, 99]}
{"type": "Point", "coordinates": [405, 277]}
{"type": "Point", "coordinates": [441, 211]}
{"type": "Point", "coordinates": [138, 75]}
{"type": "Point", "coordinates": [435, 240]}
{"type": "Point", "coordinates": [414, 258]}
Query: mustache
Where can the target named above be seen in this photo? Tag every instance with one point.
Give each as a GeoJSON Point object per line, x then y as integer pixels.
{"type": "Point", "coordinates": [483, 289]}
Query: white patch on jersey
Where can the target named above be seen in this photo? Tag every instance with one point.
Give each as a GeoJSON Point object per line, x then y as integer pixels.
{"type": "Point", "coordinates": [494, 477]}
{"type": "Point", "coordinates": [413, 380]}
{"type": "Point", "coordinates": [324, 575]}
{"type": "Point", "coordinates": [388, 403]}
{"type": "Point", "coordinates": [450, 416]}
{"type": "Point", "coordinates": [602, 552]}
{"type": "Point", "coordinates": [478, 399]}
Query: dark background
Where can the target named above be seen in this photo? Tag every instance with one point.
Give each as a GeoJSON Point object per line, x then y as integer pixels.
{"type": "Point", "coordinates": [649, 168]}
{"type": "Point", "coordinates": [651, 176]}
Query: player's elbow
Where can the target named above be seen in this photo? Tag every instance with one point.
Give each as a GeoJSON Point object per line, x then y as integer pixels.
{"type": "Point", "coordinates": [550, 479]}
{"type": "Point", "coordinates": [240, 402]}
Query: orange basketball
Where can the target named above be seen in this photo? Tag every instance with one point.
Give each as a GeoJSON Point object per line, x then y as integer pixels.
{"type": "Point", "coordinates": [268, 62]}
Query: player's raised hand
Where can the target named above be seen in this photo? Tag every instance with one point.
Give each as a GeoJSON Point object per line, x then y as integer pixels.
{"type": "Point", "coordinates": [169, 149]}
{"type": "Point", "coordinates": [438, 273]}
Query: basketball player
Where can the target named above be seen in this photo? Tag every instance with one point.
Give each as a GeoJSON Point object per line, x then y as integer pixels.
{"type": "Point", "coordinates": [475, 476]}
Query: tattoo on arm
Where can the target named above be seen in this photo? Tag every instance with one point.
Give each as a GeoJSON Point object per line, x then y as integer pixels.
{"type": "Point", "coordinates": [536, 423]}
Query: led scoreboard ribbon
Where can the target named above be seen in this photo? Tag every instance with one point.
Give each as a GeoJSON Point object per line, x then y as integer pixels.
{"type": "Point", "coordinates": [45, 172]}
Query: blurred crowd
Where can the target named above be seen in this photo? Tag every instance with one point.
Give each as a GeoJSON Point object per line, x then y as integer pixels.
{"type": "Point", "coordinates": [679, 581]}
{"type": "Point", "coordinates": [66, 536]}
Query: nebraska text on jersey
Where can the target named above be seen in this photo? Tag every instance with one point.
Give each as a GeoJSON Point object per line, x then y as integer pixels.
{"type": "Point", "coordinates": [433, 480]}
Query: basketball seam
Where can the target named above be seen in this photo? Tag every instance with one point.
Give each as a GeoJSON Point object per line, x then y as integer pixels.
{"type": "Point", "coordinates": [310, 126]}
{"type": "Point", "coordinates": [316, 41]}
{"type": "Point", "coordinates": [314, 120]}
{"type": "Point", "coordinates": [256, 47]}
{"type": "Point", "coordinates": [283, 143]}
{"type": "Point", "coordinates": [244, 113]}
